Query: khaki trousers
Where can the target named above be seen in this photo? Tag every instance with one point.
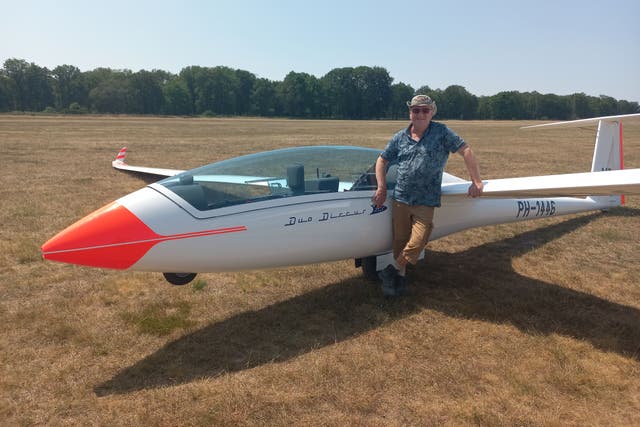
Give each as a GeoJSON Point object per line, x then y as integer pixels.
{"type": "Point", "coordinates": [412, 226]}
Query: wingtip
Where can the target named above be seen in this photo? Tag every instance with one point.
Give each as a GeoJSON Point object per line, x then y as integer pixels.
{"type": "Point", "coordinates": [120, 157]}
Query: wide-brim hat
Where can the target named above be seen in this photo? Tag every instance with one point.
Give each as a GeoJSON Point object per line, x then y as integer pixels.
{"type": "Point", "coordinates": [422, 101]}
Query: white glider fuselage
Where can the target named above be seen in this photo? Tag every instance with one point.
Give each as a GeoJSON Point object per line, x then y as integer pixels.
{"type": "Point", "coordinates": [160, 233]}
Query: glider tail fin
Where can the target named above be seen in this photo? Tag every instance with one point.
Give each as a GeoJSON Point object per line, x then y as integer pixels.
{"type": "Point", "coordinates": [608, 152]}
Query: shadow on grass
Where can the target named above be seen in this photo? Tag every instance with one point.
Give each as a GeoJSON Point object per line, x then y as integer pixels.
{"type": "Point", "coordinates": [478, 283]}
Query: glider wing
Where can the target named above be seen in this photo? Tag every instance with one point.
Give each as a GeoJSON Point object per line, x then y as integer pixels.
{"type": "Point", "coordinates": [605, 183]}
{"type": "Point", "coordinates": [119, 163]}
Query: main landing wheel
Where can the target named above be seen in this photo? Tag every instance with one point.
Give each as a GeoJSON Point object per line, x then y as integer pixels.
{"type": "Point", "coordinates": [368, 265]}
{"type": "Point", "coordinates": [179, 279]}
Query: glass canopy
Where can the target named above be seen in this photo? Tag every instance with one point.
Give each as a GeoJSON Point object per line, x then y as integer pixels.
{"type": "Point", "coordinates": [287, 172]}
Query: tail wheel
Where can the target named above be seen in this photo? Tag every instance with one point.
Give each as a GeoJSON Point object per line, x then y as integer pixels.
{"type": "Point", "coordinates": [179, 279]}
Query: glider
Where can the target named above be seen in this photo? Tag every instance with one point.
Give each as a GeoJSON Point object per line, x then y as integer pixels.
{"type": "Point", "coordinates": [308, 205]}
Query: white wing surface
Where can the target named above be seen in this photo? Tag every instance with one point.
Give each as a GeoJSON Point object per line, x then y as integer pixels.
{"type": "Point", "coordinates": [626, 181]}
{"type": "Point", "coordinates": [582, 122]}
{"type": "Point", "coordinates": [119, 163]}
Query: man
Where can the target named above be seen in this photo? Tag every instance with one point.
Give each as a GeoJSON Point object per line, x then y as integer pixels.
{"type": "Point", "coordinates": [421, 151]}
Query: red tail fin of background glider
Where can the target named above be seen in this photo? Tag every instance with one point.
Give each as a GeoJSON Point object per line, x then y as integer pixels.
{"type": "Point", "coordinates": [121, 155]}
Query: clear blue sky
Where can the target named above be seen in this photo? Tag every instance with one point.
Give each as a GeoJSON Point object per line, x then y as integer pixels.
{"type": "Point", "coordinates": [489, 46]}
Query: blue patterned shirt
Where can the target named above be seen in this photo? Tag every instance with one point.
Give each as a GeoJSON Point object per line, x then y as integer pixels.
{"type": "Point", "coordinates": [421, 164]}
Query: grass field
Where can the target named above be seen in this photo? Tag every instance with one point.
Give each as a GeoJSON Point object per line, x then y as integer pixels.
{"type": "Point", "coordinates": [533, 323]}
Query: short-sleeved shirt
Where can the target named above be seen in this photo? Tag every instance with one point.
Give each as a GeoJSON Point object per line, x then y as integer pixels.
{"type": "Point", "coordinates": [421, 164]}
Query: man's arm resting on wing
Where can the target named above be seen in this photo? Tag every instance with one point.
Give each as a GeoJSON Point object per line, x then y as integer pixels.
{"type": "Point", "coordinates": [470, 160]}
{"type": "Point", "coordinates": [381, 178]}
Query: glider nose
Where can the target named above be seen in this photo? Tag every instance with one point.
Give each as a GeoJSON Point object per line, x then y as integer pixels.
{"type": "Point", "coordinates": [111, 237]}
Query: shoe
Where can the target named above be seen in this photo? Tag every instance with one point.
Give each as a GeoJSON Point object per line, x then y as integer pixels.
{"type": "Point", "coordinates": [401, 285]}
{"type": "Point", "coordinates": [388, 277]}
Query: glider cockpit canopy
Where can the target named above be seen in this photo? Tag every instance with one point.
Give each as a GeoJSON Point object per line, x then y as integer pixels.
{"type": "Point", "coordinates": [275, 174]}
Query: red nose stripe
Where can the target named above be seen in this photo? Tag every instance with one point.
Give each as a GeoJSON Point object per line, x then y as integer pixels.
{"type": "Point", "coordinates": [111, 237]}
{"type": "Point", "coordinates": [119, 257]}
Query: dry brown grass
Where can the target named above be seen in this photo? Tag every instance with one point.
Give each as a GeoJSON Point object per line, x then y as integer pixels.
{"type": "Point", "coordinates": [526, 324]}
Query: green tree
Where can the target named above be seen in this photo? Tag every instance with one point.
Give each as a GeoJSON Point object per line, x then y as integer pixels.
{"type": "Point", "coordinates": [109, 90]}
{"type": "Point", "coordinates": [550, 106]}
{"type": "Point", "coordinates": [457, 103]}
{"type": "Point", "coordinates": [7, 94]}
{"type": "Point", "coordinates": [341, 93]}
{"type": "Point", "coordinates": [582, 106]}
{"type": "Point", "coordinates": [301, 95]}
{"type": "Point", "coordinates": [373, 91]}
{"type": "Point", "coordinates": [69, 86]}
{"type": "Point", "coordinates": [346, 93]}
{"type": "Point", "coordinates": [98, 75]}
{"type": "Point", "coordinates": [246, 80]}
{"type": "Point", "coordinates": [425, 90]}
{"type": "Point", "coordinates": [112, 96]}
{"type": "Point", "coordinates": [188, 76]}
{"type": "Point", "coordinates": [357, 93]}
{"type": "Point", "coordinates": [608, 106]}
{"type": "Point", "coordinates": [177, 100]}
{"type": "Point", "coordinates": [146, 91]}
{"type": "Point", "coordinates": [264, 99]}
{"type": "Point", "coordinates": [216, 90]}
{"type": "Point", "coordinates": [33, 84]}
{"type": "Point", "coordinates": [626, 107]}
{"type": "Point", "coordinates": [509, 105]}
{"type": "Point", "coordinates": [400, 94]}
{"type": "Point", "coordinates": [16, 70]}
{"type": "Point", "coordinates": [484, 112]}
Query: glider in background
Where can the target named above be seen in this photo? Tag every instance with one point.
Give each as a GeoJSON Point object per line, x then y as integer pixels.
{"type": "Point", "coordinates": [309, 205]}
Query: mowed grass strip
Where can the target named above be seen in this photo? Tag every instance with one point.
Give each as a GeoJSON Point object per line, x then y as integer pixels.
{"type": "Point", "coordinates": [533, 323]}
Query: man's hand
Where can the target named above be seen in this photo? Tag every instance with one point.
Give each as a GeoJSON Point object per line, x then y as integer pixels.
{"type": "Point", "coordinates": [379, 197]}
{"type": "Point", "coordinates": [381, 178]}
{"type": "Point", "coordinates": [475, 189]}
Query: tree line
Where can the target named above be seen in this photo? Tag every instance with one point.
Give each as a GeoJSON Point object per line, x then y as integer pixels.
{"type": "Point", "coordinates": [343, 93]}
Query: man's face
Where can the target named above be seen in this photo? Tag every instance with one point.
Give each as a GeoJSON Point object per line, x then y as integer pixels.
{"type": "Point", "coordinates": [420, 114]}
